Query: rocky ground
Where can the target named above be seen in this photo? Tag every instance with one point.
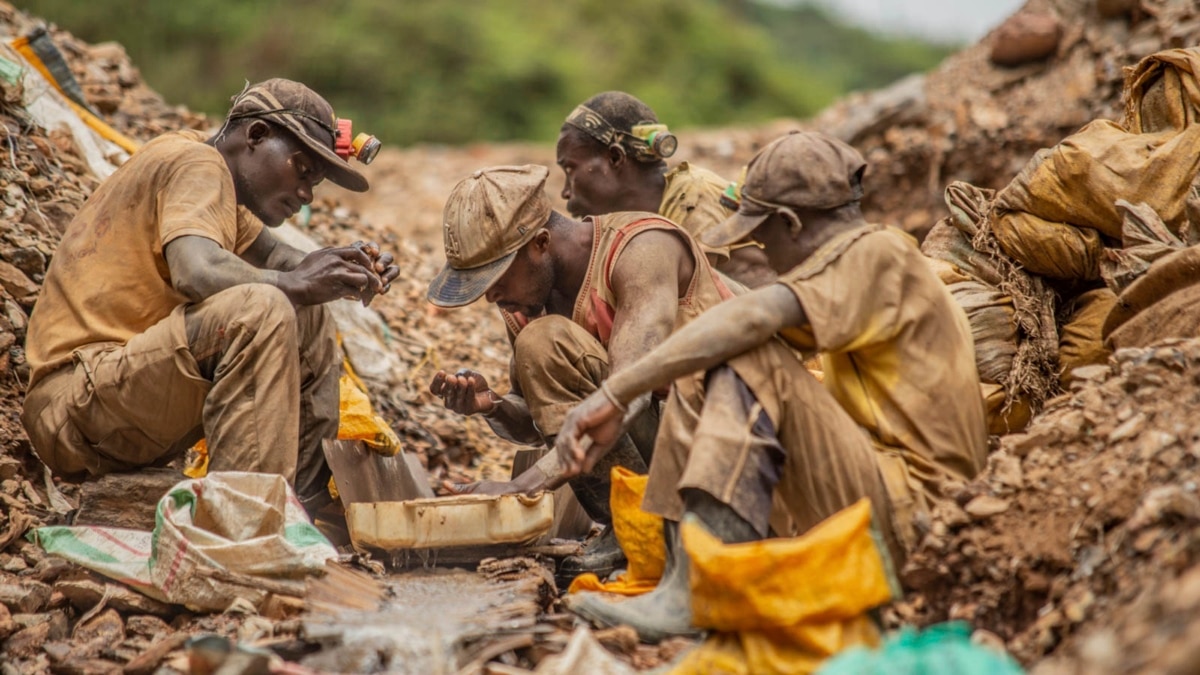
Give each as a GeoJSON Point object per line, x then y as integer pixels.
{"type": "Point", "coordinates": [1076, 549]}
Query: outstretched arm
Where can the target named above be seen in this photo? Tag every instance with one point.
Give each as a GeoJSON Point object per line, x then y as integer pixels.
{"type": "Point", "coordinates": [720, 334]}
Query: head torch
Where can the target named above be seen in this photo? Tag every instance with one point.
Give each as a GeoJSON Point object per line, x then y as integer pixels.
{"type": "Point", "coordinates": [363, 147]}
{"type": "Point", "coordinates": [661, 141]}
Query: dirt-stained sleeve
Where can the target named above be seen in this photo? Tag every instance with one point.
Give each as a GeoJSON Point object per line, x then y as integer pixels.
{"type": "Point", "coordinates": [197, 198]}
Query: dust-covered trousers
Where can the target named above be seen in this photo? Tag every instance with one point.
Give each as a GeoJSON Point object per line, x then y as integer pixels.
{"type": "Point", "coordinates": [557, 364]}
{"type": "Point", "coordinates": [790, 436]}
{"type": "Point", "coordinates": [245, 369]}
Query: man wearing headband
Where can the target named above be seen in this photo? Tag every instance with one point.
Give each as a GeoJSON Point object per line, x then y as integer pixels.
{"type": "Point", "coordinates": [613, 152]}
{"type": "Point", "coordinates": [899, 411]}
{"type": "Point", "coordinates": [169, 312]}
{"type": "Point", "coordinates": [580, 299]}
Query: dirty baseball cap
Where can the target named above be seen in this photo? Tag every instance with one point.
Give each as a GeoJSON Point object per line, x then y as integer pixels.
{"type": "Point", "coordinates": [802, 170]}
{"type": "Point", "coordinates": [305, 114]}
{"type": "Point", "coordinates": [489, 216]}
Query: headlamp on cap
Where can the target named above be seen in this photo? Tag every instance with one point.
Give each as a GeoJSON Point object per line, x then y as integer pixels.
{"type": "Point", "coordinates": [363, 147]}
{"type": "Point", "coordinates": [661, 141]}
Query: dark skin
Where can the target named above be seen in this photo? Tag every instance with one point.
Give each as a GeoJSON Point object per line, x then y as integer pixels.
{"type": "Point", "coordinates": [720, 334]}
{"type": "Point", "coordinates": [273, 176]}
{"type": "Point", "coordinates": [601, 180]}
{"type": "Point", "coordinates": [653, 272]}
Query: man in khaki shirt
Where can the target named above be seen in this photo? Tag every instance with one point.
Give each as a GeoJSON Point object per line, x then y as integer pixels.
{"type": "Point", "coordinates": [169, 313]}
{"type": "Point", "coordinates": [898, 412]}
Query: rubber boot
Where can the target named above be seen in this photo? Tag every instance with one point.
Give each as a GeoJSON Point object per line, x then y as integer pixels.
{"type": "Point", "coordinates": [667, 610]}
{"type": "Point", "coordinates": [603, 554]}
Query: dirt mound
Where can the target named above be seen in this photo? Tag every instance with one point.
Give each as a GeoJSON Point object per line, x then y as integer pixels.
{"type": "Point", "coordinates": [1079, 540]}
{"type": "Point", "coordinates": [1095, 506]}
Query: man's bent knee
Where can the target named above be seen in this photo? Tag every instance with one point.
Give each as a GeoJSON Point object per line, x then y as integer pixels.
{"type": "Point", "coordinates": [552, 343]}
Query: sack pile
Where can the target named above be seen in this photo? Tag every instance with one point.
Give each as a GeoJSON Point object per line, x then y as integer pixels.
{"type": "Point", "coordinates": [1038, 266]}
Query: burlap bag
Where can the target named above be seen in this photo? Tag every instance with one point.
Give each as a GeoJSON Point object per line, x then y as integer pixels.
{"type": "Point", "coordinates": [1163, 303]}
{"type": "Point", "coordinates": [1162, 92]}
{"type": "Point", "coordinates": [1080, 339]}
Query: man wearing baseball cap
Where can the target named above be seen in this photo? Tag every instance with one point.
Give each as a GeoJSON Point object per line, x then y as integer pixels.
{"type": "Point", "coordinates": [170, 313]}
{"type": "Point", "coordinates": [899, 411]}
{"type": "Point", "coordinates": [581, 299]}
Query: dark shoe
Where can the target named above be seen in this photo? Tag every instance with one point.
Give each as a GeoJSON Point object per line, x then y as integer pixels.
{"type": "Point", "coordinates": [601, 556]}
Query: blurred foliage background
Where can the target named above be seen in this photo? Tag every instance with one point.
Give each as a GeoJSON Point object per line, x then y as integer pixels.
{"type": "Point", "coordinates": [455, 72]}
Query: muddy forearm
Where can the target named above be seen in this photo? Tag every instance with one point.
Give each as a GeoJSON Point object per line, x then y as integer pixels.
{"type": "Point", "coordinates": [510, 419]}
{"type": "Point", "coordinates": [723, 332]}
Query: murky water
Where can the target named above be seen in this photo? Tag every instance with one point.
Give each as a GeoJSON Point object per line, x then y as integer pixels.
{"type": "Point", "coordinates": [423, 625]}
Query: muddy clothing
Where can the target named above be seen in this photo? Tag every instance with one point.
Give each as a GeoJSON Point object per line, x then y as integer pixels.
{"type": "Point", "coordinates": [595, 311]}
{"type": "Point", "coordinates": [109, 280]}
{"type": "Point", "coordinates": [128, 373]}
{"type": "Point", "coordinates": [898, 410]}
{"type": "Point", "coordinates": [558, 362]}
{"type": "Point", "coordinates": [692, 199]}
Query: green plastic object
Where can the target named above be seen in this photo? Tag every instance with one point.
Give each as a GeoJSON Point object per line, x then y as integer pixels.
{"type": "Point", "coordinates": [943, 649]}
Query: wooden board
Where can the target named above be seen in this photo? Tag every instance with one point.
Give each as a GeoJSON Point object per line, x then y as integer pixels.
{"type": "Point", "coordinates": [365, 476]}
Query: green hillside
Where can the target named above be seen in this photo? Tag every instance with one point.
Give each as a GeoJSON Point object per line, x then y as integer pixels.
{"type": "Point", "coordinates": [457, 72]}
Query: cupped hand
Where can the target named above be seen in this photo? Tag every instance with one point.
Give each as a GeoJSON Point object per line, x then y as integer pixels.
{"type": "Point", "coordinates": [466, 392]}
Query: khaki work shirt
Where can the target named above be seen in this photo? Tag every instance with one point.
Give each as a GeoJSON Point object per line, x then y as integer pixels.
{"type": "Point", "coordinates": [109, 279]}
{"type": "Point", "coordinates": [897, 351]}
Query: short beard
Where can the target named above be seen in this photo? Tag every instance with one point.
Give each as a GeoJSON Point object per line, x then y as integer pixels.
{"type": "Point", "coordinates": [247, 197]}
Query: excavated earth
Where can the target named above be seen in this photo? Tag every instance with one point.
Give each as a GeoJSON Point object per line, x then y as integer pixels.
{"type": "Point", "coordinates": [1076, 549]}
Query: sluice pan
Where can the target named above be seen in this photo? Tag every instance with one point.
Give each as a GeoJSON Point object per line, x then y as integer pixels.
{"type": "Point", "coordinates": [449, 522]}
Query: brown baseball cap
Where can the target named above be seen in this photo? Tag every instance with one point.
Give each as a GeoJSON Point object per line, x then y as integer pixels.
{"type": "Point", "coordinates": [802, 170]}
{"type": "Point", "coordinates": [488, 218]}
{"type": "Point", "coordinates": [305, 114]}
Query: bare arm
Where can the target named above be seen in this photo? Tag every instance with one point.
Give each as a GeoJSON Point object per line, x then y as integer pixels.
{"type": "Point", "coordinates": [268, 252]}
{"type": "Point", "coordinates": [731, 328]}
{"type": "Point", "coordinates": [200, 268]}
{"type": "Point", "coordinates": [648, 279]}
{"type": "Point", "coordinates": [720, 334]}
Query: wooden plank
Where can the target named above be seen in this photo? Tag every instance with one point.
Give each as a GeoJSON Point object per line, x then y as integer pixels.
{"type": "Point", "coordinates": [125, 500]}
{"type": "Point", "coordinates": [365, 476]}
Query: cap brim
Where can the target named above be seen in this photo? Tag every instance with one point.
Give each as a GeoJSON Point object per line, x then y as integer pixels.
{"type": "Point", "coordinates": [455, 288]}
{"type": "Point", "coordinates": [337, 169]}
{"type": "Point", "coordinates": [731, 230]}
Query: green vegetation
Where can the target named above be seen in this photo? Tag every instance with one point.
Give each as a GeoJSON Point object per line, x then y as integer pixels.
{"type": "Point", "coordinates": [457, 72]}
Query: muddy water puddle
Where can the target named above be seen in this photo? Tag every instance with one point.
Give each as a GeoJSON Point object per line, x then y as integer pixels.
{"type": "Point", "coordinates": [428, 619]}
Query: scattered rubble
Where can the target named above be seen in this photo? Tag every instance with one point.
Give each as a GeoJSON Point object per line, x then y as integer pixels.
{"type": "Point", "coordinates": [1078, 542]}
{"type": "Point", "coordinates": [1095, 506]}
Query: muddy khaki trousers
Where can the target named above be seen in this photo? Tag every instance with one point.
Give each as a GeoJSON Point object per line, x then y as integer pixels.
{"type": "Point", "coordinates": [791, 436]}
{"type": "Point", "coordinates": [557, 364]}
{"type": "Point", "coordinates": [245, 369]}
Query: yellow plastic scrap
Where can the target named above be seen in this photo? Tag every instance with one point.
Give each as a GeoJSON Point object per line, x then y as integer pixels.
{"type": "Point", "coordinates": [786, 605]}
{"type": "Point", "coordinates": [640, 535]}
{"type": "Point", "coordinates": [357, 422]}
{"type": "Point", "coordinates": [199, 466]}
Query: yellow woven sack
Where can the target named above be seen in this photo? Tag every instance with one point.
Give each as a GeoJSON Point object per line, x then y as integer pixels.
{"type": "Point", "coordinates": [785, 605]}
{"type": "Point", "coordinates": [640, 535]}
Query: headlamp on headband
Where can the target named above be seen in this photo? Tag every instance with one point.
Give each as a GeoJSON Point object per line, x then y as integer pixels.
{"type": "Point", "coordinates": [661, 141]}
{"type": "Point", "coordinates": [364, 147]}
